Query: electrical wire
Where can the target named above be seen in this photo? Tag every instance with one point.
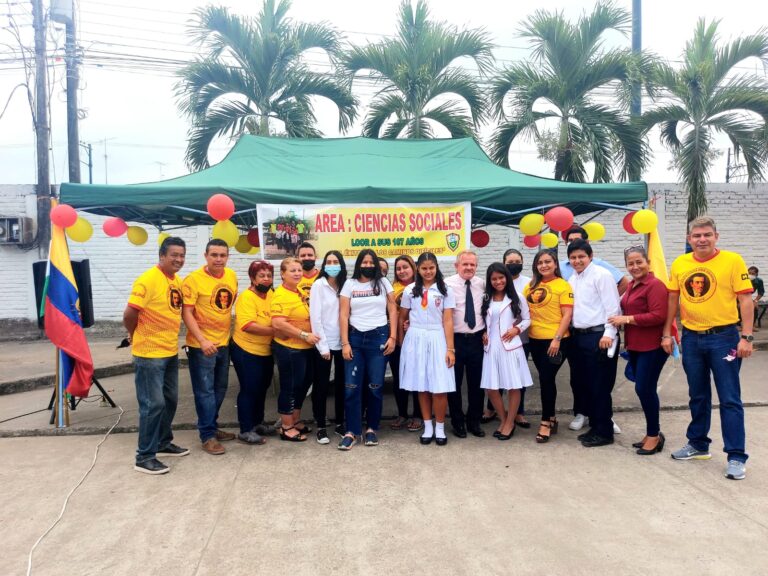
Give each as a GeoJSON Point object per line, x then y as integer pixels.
{"type": "Point", "coordinates": [72, 491]}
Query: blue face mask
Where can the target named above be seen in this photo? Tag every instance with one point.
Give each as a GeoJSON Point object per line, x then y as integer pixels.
{"type": "Point", "coordinates": [333, 270]}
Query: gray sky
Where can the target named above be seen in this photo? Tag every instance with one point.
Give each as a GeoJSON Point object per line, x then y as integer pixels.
{"type": "Point", "coordinates": [132, 47]}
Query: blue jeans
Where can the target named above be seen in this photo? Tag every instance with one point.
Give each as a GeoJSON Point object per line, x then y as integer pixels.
{"type": "Point", "coordinates": [368, 364]}
{"type": "Point", "coordinates": [157, 391]}
{"type": "Point", "coordinates": [255, 376]}
{"type": "Point", "coordinates": [292, 369]}
{"type": "Point", "coordinates": [210, 376]}
{"type": "Point", "coordinates": [647, 368]}
{"type": "Point", "coordinates": [702, 355]}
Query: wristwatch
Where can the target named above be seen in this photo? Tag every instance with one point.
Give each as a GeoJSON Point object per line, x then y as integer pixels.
{"type": "Point", "coordinates": [748, 337]}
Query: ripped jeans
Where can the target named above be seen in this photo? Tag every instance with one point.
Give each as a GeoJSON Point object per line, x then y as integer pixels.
{"type": "Point", "coordinates": [368, 364]}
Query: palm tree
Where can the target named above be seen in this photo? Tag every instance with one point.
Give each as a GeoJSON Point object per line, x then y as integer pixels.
{"type": "Point", "coordinates": [415, 69]}
{"type": "Point", "coordinates": [708, 95]}
{"type": "Point", "coordinates": [569, 67]}
{"type": "Point", "coordinates": [252, 73]}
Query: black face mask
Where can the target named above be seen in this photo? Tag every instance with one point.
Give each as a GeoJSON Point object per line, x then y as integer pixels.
{"type": "Point", "coordinates": [307, 265]}
{"type": "Point", "coordinates": [368, 271]}
{"type": "Point", "coordinates": [515, 269]}
{"type": "Point", "coordinates": [262, 288]}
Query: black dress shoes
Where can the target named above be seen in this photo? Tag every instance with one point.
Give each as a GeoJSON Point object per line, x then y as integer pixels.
{"type": "Point", "coordinates": [585, 435]}
{"type": "Point", "coordinates": [460, 432]}
{"type": "Point", "coordinates": [658, 448]}
{"type": "Point", "coordinates": [594, 441]}
{"type": "Point", "coordinates": [441, 441]}
{"type": "Point", "coordinates": [476, 431]}
{"type": "Point", "coordinates": [425, 440]}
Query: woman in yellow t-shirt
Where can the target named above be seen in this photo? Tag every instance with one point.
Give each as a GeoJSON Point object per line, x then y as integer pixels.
{"type": "Point", "coordinates": [251, 352]}
{"type": "Point", "coordinates": [550, 300]}
{"type": "Point", "coordinates": [293, 342]}
{"type": "Point", "coordinates": [405, 274]}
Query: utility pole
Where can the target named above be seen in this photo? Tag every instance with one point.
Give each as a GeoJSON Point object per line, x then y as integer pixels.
{"type": "Point", "coordinates": [89, 149]}
{"type": "Point", "coordinates": [64, 11]}
{"type": "Point", "coordinates": [42, 132]}
{"type": "Point", "coordinates": [637, 46]}
{"type": "Point", "coordinates": [728, 168]}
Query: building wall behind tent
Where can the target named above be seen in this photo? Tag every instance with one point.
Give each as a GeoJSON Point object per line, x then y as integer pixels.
{"type": "Point", "coordinates": [741, 214]}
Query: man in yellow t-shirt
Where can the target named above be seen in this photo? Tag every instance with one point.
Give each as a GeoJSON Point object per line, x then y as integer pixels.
{"type": "Point", "coordinates": [153, 318]}
{"type": "Point", "coordinates": [209, 293]}
{"type": "Point", "coordinates": [706, 286]}
{"type": "Point", "coordinates": [308, 258]}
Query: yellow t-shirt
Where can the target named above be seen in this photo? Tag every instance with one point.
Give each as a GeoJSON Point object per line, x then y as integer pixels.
{"type": "Point", "coordinates": [398, 288]}
{"type": "Point", "coordinates": [708, 289]}
{"type": "Point", "coordinates": [544, 302]}
{"type": "Point", "coordinates": [158, 299]}
{"type": "Point", "coordinates": [305, 285]}
{"type": "Point", "coordinates": [251, 308]}
{"type": "Point", "coordinates": [295, 309]}
{"type": "Point", "coordinates": [212, 299]}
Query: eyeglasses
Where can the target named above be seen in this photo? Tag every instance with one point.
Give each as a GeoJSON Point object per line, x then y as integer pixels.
{"type": "Point", "coordinates": [635, 248]}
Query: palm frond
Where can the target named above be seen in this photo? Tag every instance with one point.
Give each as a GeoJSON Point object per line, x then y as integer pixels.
{"type": "Point", "coordinates": [308, 83]}
{"type": "Point", "coordinates": [225, 118]}
{"type": "Point", "coordinates": [451, 116]}
{"type": "Point", "coordinates": [460, 82]}
{"type": "Point", "coordinates": [381, 110]}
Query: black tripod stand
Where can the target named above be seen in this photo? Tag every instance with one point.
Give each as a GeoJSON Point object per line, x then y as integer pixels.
{"type": "Point", "coordinates": [74, 402]}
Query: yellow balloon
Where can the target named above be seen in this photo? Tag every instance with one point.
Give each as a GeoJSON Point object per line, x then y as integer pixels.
{"type": "Point", "coordinates": [243, 246]}
{"type": "Point", "coordinates": [645, 221]}
{"type": "Point", "coordinates": [227, 231]}
{"type": "Point", "coordinates": [549, 240]}
{"type": "Point", "coordinates": [254, 250]}
{"type": "Point", "coordinates": [80, 231]}
{"type": "Point", "coordinates": [161, 237]}
{"type": "Point", "coordinates": [137, 235]}
{"type": "Point", "coordinates": [595, 230]}
{"type": "Point", "coordinates": [531, 224]}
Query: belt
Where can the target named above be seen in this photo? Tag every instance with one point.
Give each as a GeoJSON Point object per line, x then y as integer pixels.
{"type": "Point", "coordinates": [469, 334]}
{"type": "Point", "coordinates": [598, 328]}
{"type": "Point", "coordinates": [713, 330]}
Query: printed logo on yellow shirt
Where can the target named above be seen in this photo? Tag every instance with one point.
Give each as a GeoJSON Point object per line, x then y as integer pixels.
{"type": "Point", "coordinates": [175, 299]}
{"type": "Point", "coordinates": [699, 284]}
{"type": "Point", "coordinates": [539, 296]}
{"type": "Point", "coordinates": [221, 299]}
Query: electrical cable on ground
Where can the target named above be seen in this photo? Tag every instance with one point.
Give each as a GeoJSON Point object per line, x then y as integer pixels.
{"type": "Point", "coordinates": [71, 492]}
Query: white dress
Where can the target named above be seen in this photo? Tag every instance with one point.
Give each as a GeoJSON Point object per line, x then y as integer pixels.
{"type": "Point", "coordinates": [422, 357]}
{"type": "Point", "coordinates": [504, 365]}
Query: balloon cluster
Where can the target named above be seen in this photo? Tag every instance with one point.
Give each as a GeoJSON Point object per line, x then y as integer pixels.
{"type": "Point", "coordinates": [221, 208]}
{"type": "Point", "coordinates": [558, 219]}
{"type": "Point", "coordinates": [640, 222]}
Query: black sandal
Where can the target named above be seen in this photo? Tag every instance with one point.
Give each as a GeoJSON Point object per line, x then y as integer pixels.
{"type": "Point", "coordinates": [298, 438]}
{"type": "Point", "coordinates": [304, 428]}
{"type": "Point", "coordinates": [550, 425]}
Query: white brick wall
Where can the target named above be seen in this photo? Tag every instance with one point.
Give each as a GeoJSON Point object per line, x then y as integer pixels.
{"type": "Point", "coordinates": [741, 214]}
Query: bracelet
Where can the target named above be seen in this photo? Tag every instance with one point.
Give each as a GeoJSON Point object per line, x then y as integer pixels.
{"type": "Point", "coordinates": [558, 338]}
{"type": "Point", "coordinates": [303, 335]}
{"type": "Point", "coordinates": [666, 337]}
{"type": "Point", "coordinates": [345, 344]}
{"type": "Point", "coordinates": [452, 350]}
{"type": "Point", "coordinates": [391, 338]}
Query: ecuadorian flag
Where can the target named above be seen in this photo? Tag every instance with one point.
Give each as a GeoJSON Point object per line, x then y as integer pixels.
{"type": "Point", "coordinates": [63, 324]}
{"type": "Point", "coordinates": [658, 265]}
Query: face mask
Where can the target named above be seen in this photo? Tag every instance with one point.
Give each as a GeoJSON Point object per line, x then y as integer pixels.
{"type": "Point", "coordinates": [262, 288]}
{"type": "Point", "coordinates": [752, 276]}
{"type": "Point", "coordinates": [515, 269]}
{"type": "Point", "coordinates": [307, 265]}
{"type": "Point", "coordinates": [368, 271]}
{"type": "Point", "coordinates": [333, 270]}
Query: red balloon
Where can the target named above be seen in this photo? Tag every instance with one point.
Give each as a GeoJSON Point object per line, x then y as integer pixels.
{"type": "Point", "coordinates": [559, 218]}
{"type": "Point", "coordinates": [532, 241]}
{"type": "Point", "coordinates": [480, 238]}
{"type": "Point", "coordinates": [63, 216]}
{"type": "Point", "coordinates": [564, 235]}
{"type": "Point", "coordinates": [628, 223]}
{"type": "Point", "coordinates": [114, 227]}
{"type": "Point", "coordinates": [253, 237]}
{"type": "Point", "coordinates": [220, 207]}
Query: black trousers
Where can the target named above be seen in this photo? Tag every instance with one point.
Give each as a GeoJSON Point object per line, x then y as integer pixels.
{"type": "Point", "coordinates": [547, 373]}
{"type": "Point", "coordinates": [469, 359]}
{"type": "Point", "coordinates": [321, 380]}
{"type": "Point", "coordinates": [597, 372]}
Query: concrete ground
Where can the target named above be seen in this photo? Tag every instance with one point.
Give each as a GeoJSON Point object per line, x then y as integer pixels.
{"type": "Point", "coordinates": [476, 506]}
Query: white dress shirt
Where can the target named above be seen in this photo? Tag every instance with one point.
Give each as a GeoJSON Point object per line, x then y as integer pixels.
{"type": "Point", "coordinates": [458, 285]}
{"type": "Point", "coordinates": [324, 315]}
{"type": "Point", "coordinates": [595, 299]}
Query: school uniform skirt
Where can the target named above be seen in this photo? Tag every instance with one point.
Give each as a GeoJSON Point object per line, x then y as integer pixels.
{"type": "Point", "coordinates": [422, 361]}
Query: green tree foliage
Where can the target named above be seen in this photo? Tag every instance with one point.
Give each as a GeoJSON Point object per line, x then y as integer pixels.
{"type": "Point", "coordinates": [706, 95]}
{"type": "Point", "coordinates": [569, 64]}
{"type": "Point", "coordinates": [252, 78]}
{"type": "Point", "coordinates": [416, 69]}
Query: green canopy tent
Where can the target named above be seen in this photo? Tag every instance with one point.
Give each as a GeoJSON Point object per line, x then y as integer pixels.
{"type": "Point", "coordinates": [262, 170]}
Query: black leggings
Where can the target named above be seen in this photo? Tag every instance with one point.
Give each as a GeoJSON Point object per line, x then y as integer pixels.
{"type": "Point", "coordinates": [547, 373]}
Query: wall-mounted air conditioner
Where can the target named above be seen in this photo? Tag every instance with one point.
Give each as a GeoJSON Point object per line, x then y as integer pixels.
{"type": "Point", "coordinates": [15, 230]}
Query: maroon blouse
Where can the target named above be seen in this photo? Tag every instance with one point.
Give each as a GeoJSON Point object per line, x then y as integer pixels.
{"type": "Point", "coordinates": [646, 301]}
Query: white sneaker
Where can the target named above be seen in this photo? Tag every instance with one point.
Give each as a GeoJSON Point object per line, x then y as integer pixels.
{"type": "Point", "coordinates": [616, 429]}
{"type": "Point", "coordinates": [578, 422]}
